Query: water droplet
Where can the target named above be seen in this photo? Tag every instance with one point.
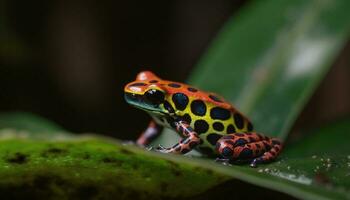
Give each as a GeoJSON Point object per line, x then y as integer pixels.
{"type": "Point", "coordinates": [292, 177]}
{"type": "Point", "coordinates": [314, 157]}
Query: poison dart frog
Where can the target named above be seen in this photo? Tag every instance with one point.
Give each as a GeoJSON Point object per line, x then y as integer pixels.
{"type": "Point", "coordinates": [206, 121]}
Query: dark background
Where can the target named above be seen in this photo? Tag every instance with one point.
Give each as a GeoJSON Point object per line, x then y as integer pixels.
{"type": "Point", "coordinates": [69, 60]}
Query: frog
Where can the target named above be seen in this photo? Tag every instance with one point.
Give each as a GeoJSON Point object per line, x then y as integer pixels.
{"type": "Point", "coordinates": [205, 121]}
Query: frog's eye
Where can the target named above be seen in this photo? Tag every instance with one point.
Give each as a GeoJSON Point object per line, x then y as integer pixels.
{"type": "Point", "coordinates": [154, 97]}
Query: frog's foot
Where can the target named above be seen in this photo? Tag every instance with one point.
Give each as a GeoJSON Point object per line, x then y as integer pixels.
{"type": "Point", "coordinates": [162, 149]}
{"type": "Point", "coordinates": [150, 148]}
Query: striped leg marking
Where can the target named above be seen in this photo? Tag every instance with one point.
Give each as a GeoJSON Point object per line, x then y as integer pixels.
{"type": "Point", "coordinates": [190, 140]}
{"type": "Point", "coordinates": [247, 147]}
{"type": "Point", "coordinates": [276, 147]}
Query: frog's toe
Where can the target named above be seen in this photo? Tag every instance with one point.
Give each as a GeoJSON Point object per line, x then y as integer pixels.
{"type": "Point", "coordinates": [161, 149]}
{"type": "Point", "coordinates": [150, 148]}
{"type": "Point", "coordinates": [255, 162]}
{"type": "Point", "coordinates": [156, 149]}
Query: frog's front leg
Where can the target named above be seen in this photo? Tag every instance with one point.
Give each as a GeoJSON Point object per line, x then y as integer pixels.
{"type": "Point", "coordinates": [152, 132]}
{"type": "Point", "coordinates": [190, 140]}
{"type": "Point", "coordinates": [248, 146]}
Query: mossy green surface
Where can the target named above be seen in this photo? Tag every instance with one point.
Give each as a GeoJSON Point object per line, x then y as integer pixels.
{"type": "Point", "coordinates": [95, 168]}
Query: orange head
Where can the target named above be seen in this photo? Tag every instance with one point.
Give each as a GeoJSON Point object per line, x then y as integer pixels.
{"type": "Point", "coordinates": [146, 93]}
{"type": "Point", "coordinates": [144, 81]}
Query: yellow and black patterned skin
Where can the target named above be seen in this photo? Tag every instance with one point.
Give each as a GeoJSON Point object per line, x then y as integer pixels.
{"type": "Point", "coordinates": [205, 121]}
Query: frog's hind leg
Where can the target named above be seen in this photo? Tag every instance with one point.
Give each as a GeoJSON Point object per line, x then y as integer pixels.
{"type": "Point", "coordinates": [271, 154]}
{"type": "Point", "coordinates": [247, 146]}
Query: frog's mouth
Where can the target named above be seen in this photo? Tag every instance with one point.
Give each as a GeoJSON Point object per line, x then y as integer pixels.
{"type": "Point", "coordinates": [138, 101]}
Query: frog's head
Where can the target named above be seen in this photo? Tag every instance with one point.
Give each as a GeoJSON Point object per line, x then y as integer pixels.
{"type": "Point", "coordinates": [146, 93]}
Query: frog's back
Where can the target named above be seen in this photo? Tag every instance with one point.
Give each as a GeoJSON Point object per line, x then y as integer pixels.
{"type": "Point", "coordinates": [210, 115]}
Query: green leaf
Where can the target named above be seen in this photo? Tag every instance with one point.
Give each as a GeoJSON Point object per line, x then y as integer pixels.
{"type": "Point", "coordinates": [19, 124]}
{"type": "Point", "coordinates": [320, 162]}
{"type": "Point", "coordinates": [269, 58]}
{"type": "Point", "coordinates": [316, 167]}
{"type": "Point", "coordinates": [27, 122]}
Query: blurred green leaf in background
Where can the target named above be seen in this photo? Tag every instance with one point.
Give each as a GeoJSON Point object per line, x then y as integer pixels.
{"type": "Point", "coordinates": [269, 58]}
